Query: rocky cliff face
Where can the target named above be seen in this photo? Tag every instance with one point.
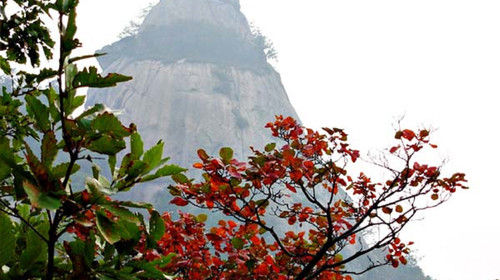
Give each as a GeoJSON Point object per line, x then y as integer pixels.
{"type": "Point", "coordinates": [201, 80]}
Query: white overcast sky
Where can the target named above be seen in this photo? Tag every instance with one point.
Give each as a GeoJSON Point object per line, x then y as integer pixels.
{"type": "Point", "coordinates": [362, 64]}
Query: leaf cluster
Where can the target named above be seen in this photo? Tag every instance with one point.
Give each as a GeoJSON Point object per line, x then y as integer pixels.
{"type": "Point", "coordinates": [54, 226]}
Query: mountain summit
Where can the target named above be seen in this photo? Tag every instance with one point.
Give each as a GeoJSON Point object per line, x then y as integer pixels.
{"type": "Point", "coordinates": [201, 80]}
{"type": "Point", "coordinates": [221, 13]}
{"type": "Point", "coordinates": [203, 31]}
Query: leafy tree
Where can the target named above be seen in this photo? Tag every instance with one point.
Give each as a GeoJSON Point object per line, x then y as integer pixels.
{"type": "Point", "coordinates": [54, 225]}
{"type": "Point", "coordinates": [301, 183]}
{"type": "Point", "coordinates": [51, 226]}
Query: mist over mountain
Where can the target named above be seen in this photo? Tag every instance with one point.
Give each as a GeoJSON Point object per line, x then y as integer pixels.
{"type": "Point", "coordinates": [201, 79]}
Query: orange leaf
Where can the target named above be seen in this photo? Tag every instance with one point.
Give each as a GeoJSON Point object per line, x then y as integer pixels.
{"type": "Point", "coordinates": [198, 165]}
{"type": "Point", "coordinates": [255, 240]}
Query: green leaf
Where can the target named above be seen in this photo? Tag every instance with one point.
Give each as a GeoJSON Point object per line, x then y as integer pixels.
{"type": "Point", "coordinates": [8, 239]}
{"type": "Point", "coordinates": [163, 261]}
{"type": "Point", "coordinates": [94, 188]}
{"type": "Point", "coordinates": [133, 204]}
{"type": "Point", "coordinates": [34, 163]}
{"type": "Point", "coordinates": [201, 218]}
{"type": "Point", "coordinates": [90, 78]}
{"type": "Point", "coordinates": [156, 226]}
{"type": "Point", "coordinates": [136, 168]}
{"type": "Point", "coordinates": [81, 254]}
{"type": "Point", "coordinates": [107, 123]}
{"type": "Point", "coordinates": [36, 248]}
{"type": "Point", "coordinates": [149, 271]}
{"type": "Point", "coordinates": [153, 156]}
{"type": "Point", "coordinates": [65, 6]}
{"type": "Point", "coordinates": [39, 199]}
{"type": "Point", "coordinates": [107, 229]}
{"type": "Point", "coordinates": [5, 170]}
{"type": "Point", "coordinates": [112, 164]}
{"type": "Point", "coordinates": [70, 72]}
{"type": "Point", "coordinates": [107, 145]}
{"type": "Point", "coordinates": [96, 170]}
{"type": "Point", "coordinates": [180, 178]}
{"type": "Point", "coordinates": [6, 158]}
{"type": "Point", "coordinates": [128, 231]}
{"type": "Point", "coordinates": [39, 111]}
{"type": "Point", "coordinates": [68, 40]}
{"type": "Point", "coordinates": [59, 171]}
{"type": "Point", "coordinates": [97, 108]}
{"type": "Point", "coordinates": [52, 97]}
{"type": "Point", "coordinates": [44, 74]}
{"type": "Point", "coordinates": [269, 147]}
{"type": "Point", "coordinates": [226, 154]}
{"type": "Point", "coordinates": [122, 213]}
{"type": "Point", "coordinates": [78, 101]}
{"type": "Point", "coordinates": [237, 243]}
{"type": "Point", "coordinates": [49, 148]}
{"type": "Point", "coordinates": [5, 66]}
{"type": "Point", "coordinates": [169, 170]}
{"type": "Point", "coordinates": [262, 203]}
{"type": "Point", "coordinates": [136, 146]}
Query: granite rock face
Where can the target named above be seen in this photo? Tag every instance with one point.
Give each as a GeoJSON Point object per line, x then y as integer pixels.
{"type": "Point", "coordinates": [200, 80]}
{"type": "Point", "coordinates": [194, 105]}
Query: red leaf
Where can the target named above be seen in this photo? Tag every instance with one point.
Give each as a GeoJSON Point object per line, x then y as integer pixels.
{"type": "Point", "coordinates": [408, 134]}
{"type": "Point", "coordinates": [210, 204]}
{"type": "Point", "coordinates": [202, 154]}
{"type": "Point", "coordinates": [255, 240]}
{"type": "Point", "coordinates": [296, 175]}
{"type": "Point", "coordinates": [179, 201]}
{"type": "Point", "coordinates": [424, 133]}
{"type": "Point", "coordinates": [291, 188]}
{"type": "Point", "coordinates": [394, 149]}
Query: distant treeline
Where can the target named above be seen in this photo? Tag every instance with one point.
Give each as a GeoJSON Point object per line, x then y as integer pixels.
{"type": "Point", "coordinates": [193, 42]}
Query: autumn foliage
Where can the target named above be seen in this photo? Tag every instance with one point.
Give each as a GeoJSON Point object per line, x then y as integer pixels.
{"type": "Point", "coordinates": [293, 209]}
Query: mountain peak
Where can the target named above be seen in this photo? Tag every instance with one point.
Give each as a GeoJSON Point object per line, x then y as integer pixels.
{"type": "Point", "coordinates": [202, 31]}
{"type": "Point", "coordinates": [222, 13]}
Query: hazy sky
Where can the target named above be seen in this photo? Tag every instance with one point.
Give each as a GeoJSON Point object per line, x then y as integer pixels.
{"type": "Point", "coordinates": [363, 64]}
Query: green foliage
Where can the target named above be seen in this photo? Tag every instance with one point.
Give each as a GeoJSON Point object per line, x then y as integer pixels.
{"type": "Point", "coordinates": [196, 42]}
{"type": "Point", "coordinates": [8, 239]}
{"type": "Point", "coordinates": [43, 145]}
